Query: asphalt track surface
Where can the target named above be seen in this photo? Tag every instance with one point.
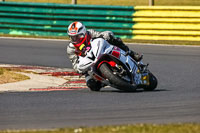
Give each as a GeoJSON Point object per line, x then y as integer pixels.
{"type": "Point", "coordinates": [176, 99]}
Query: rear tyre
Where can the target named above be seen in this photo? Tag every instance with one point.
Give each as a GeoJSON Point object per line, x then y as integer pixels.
{"type": "Point", "coordinates": [115, 79]}
{"type": "Point", "coordinates": [153, 83]}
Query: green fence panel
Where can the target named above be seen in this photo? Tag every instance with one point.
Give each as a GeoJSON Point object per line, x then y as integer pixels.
{"type": "Point", "coordinates": [28, 32]}
{"type": "Point", "coordinates": [55, 29]}
{"type": "Point", "coordinates": [66, 17]}
{"type": "Point", "coordinates": [39, 18]}
{"type": "Point", "coordinates": [88, 12]}
{"type": "Point", "coordinates": [53, 5]}
{"type": "Point", "coordinates": [63, 23]}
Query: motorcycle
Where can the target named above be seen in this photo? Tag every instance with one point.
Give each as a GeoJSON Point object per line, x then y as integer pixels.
{"type": "Point", "coordinates": [111, 66]}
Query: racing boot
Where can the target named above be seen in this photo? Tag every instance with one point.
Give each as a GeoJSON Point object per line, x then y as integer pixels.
{"type": "Point", "coordinates": [93, 84]}
{"type": "Point", "coordinates": [136, 56]}
{"type": "Point", "coordinates": [119, 43]}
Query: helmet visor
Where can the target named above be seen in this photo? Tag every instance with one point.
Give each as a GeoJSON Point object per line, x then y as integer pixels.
{"type": "Point", "coordinates": [77, 38]}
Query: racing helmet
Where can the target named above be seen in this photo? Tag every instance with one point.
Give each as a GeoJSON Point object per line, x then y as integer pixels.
{"type": "Point", "coordinates": [76, 32]}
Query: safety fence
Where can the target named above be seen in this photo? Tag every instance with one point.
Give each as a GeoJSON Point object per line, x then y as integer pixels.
{"type": "Point", "coordinates": [53, 19]}
{"type": "Point", "coordinates": [167, 23]}
{"type": "Point", "coordinates": [47, 19]}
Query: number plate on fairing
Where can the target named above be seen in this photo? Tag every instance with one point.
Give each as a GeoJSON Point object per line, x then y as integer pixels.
{"type": "Point", "coordinates": [145, 79]}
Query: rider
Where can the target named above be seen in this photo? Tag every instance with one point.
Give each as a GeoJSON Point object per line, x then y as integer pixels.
{"type": "Point", "coordinates": [80, 43]}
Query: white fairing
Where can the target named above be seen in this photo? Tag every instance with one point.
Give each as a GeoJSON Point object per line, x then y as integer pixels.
{"type": "Point", "coordinates": [99, 47]}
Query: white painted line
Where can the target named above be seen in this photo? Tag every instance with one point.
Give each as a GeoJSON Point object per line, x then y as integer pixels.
{"type": "Point", "coordinates": [43, 39]}
{"type": "Point", "coordinates": [63, 40]}
{"type": "Point", "coordinates": [165, 45]}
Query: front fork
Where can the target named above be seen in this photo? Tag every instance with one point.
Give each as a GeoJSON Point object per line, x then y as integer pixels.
{"type": "Point", "coordinates": [144, 74]}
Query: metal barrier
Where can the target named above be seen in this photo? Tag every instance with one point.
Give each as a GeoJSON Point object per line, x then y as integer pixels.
{"type": "Point", "coordinates": [140, 22]}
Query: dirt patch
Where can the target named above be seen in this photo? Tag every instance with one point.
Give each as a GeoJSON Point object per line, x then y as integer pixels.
{"type": "Point", "coordinates": [9, 76]}
{"type": "Point", "coordinates": [42, 79]}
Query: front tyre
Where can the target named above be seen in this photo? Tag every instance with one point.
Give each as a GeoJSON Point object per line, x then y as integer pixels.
{"type": "Point", "coordinates": [115, 79]}
{"type": "Point", "coordinates": [153, 82]}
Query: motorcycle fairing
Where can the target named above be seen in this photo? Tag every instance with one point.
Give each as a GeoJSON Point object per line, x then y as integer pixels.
{"type": "Point", "coordinates": [116, 52]}
{"type": "Point", "coordinates": [131, 65]}
{"type": "Point", "coordinates": [102, 50]}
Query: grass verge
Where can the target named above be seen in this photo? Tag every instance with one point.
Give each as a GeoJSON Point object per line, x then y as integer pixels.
{"type": "Point", "coordinates": [138, 128]}
{"type": "Point", "coordinates": [169, 42]}
{"type": "Point", "coordinates": [9, 75]}
{"type": "Point", "coordinates": [121, 2]}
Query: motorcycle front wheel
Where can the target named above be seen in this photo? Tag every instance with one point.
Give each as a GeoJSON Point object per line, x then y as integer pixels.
{"type": "Point", "coordinates": [114, 79]}
{"type": "Point", "coordinates": [153, 83]}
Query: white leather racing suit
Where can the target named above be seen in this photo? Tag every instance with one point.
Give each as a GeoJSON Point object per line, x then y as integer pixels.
{"type": "Point", "coordinates": [71, 49]}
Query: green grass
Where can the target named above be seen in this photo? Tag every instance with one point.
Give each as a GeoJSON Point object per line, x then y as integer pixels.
{"type": "Point", "coordinates": [122, 2]}
{"type": "Point", "coordinates": [139, 128]}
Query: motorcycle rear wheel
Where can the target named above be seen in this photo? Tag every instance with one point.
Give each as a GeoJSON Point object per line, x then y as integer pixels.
{"type": "Point", "coordinates": [115, 79]}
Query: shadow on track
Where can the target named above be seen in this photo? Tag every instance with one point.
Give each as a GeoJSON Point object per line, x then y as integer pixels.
{"type": "Point", "coordinates": [137, 91]}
